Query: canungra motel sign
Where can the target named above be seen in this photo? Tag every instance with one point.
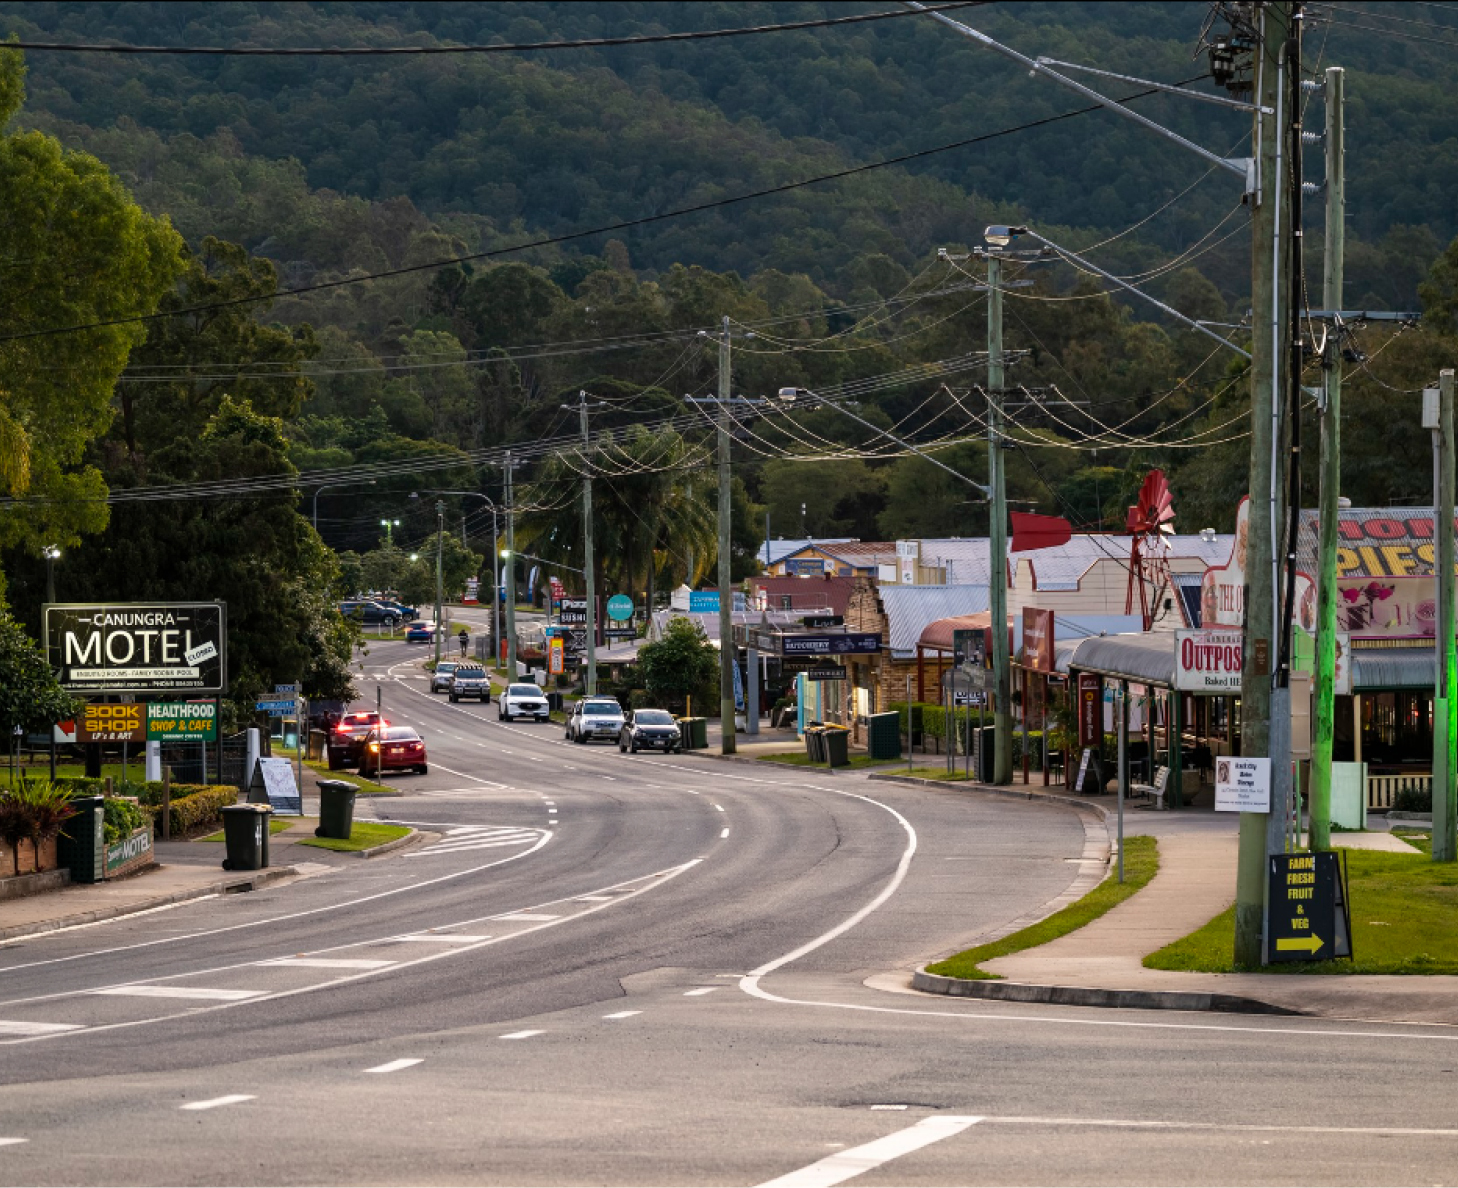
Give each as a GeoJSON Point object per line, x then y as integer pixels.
{"type": "Point", "coordinates": [138, 647]}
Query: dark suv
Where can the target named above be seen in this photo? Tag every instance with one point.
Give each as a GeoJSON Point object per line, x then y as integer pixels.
{"type": "Point", "coordinates": [372, 614]}
{"type": "Point", "coordinates": [347, 737]}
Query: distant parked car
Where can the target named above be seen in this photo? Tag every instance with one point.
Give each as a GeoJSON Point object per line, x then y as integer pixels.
{"type": "Point", "coordinates": [440, 679]}
{"type": "Point", "coordinates": [522, 701]}
{"type": "Point", "coordinates": [469, 680]}
{"type": "Point", "coordinates": [594, 717]}
{"type": "Point", "coordinates": [392, 746]}
{"type": "Point", "coordinates": [372, 614]}
{"type": "Point", "coordinates": [650, 729]}
{"type": "Point", "coordinates": [420, 633]}
{"type": "Point", "coordinates": [347, 736]}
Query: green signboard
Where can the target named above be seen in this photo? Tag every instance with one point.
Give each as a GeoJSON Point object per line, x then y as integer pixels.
{"type": "Point", "coordinates": [620, 608]}
{"type": "Point", "coordinates": [182, 721]}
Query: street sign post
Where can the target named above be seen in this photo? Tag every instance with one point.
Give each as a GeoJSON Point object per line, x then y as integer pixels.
{"type": "Point", "coordinates": [277, 707]}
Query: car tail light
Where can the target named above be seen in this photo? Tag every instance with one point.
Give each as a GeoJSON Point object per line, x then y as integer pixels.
{"type": "Point", "coordinates": [374, 746]}
{"type": "Point", "coordinates": [342, 728]}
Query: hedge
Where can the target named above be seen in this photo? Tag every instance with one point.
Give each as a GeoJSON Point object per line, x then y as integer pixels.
{"type": "Point", "coordinates": [193, 805]}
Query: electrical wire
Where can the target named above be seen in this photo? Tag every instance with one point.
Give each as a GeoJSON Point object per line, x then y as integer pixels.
{"type": "Point", "coordinates": [520, 47]}
{"type": "Point", "coordinates": [571, 236]}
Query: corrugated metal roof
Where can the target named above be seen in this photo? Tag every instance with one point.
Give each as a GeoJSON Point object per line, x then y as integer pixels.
{"type": "Point", "coordinates": [965, 557]}
{"type": "Point", "coordinates": [778, 550]}
{"type": "Point", "coordinates": [1063, 566]}
{"type": "Point", "coordinates": [1147, 659]}
{"type": "Point", "coordinates": [1392, 668]}
{"type": "Point", "coordinates": [911, 608]}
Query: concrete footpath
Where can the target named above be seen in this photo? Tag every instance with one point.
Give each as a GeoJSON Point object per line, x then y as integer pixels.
{"type": "Point", "coordinates": [1101, 964]}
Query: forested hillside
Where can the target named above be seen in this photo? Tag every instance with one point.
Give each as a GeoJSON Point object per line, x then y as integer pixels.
{"type": "Point", "coordinates": [294, 173]}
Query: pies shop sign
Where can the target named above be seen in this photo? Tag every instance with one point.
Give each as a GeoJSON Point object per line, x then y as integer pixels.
{"type": "Point", "coordinates": [138, 647]}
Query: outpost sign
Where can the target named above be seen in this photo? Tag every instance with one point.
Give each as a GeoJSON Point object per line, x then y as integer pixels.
{"type": "Point", "coordinates": [138, 647]}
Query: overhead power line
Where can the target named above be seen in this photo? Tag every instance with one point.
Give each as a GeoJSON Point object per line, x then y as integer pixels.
{"type": "Point", "coordinates": [375, 51]}
{"type": "Point", "coordinates": [571, 236]}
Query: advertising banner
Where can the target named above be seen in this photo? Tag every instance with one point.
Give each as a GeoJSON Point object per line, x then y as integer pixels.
{"type": "Point", "coordinates": [1208, 661]}
{"type": "Point", "coordinates": [556, 652]}
{"type": "Point", "coordinates": [1090, 709]}
{"type": "Point", "coordinates": [574, 611]}
{"type": "Point", "coordinates": [1242, 785]}
{"type": "Point", "coordinates": [1037, 639]}
{"type": "Point", "coordinates": [137, 647]}
{"type": "Point", "coordinates": [182, 721]}
{"type": "Point", "coordinates": [112, 723]}
{"type": "Point", "coordinates": [852, 643]}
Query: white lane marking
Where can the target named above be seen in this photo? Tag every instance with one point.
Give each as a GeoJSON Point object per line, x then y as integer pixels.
{"type": "Point", "coordinates": [614, 779]}
{"type": "Point", "coordinates": [700, 990]}
{"type": "Point", "coordinates": [451, 939]}
{"type": "Point", "coordinates": [837, 1168]}
{"type": "Point", "coordinates": [1255, 1128]}
{"type": "Point", "coordinates": [214, 1102]}
{"type": "Point", "coordinates": [580, 899]}
{"type": "Point", "coordinates": [328, 962]}
{"type": "Point", "coordinates": [520, 1034]}
{"type": "Point", "coordinates": [177, 992]}
{"type": "Point", "coordinates": [718, 808]}
{"type": "Point", "coordinates": [622, 1014]}
{"type": "Point", "coordinates": [437, 851]}
{"type": "Point", "coordinates": [396, 1065]}
{"type": "Point", "coordinates": [723, 833]}
{"type": "Point", "coordinates": [525, 916]}
{"type": "Point", "coordinates": [10, 1142]}
{"type": "Point", "coordinates": [890, 1107]}
{"type": "Point", "coordinates": [19, 1027]}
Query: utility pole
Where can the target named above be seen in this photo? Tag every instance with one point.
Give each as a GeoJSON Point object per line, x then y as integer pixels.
{"type": "Point", "coordinates": [1262, 730]}
{"type": "Point", "coordinates": [1329, 509]}
{"type": "Point", "coordinates": [510, 575]}
{"type": "Point", "coordinates": [1445, 710]}
{"type": "Point", "coordinates": [726, 595]}
{"type": "Point", "coordinates": [590, 687]}
{"type": "Point", "coordinates": [997, 531]}
{"type": "Point", "coordinates": [439, 570]}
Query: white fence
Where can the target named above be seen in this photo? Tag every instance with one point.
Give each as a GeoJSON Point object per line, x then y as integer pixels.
{"type": "Point", "coordinates": [1382, 790]}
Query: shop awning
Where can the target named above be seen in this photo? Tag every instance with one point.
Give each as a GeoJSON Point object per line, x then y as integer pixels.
{"type": "Point", "coordinates": [1392, 668]}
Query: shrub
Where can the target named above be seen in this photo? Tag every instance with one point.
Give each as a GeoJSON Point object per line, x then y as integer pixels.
{"type": "Point", "coordinates": [1413, 800]}
{"type": "Point", "coordinates": [121, 818]}
{"type": "Point", "coordinates": [193, 805]}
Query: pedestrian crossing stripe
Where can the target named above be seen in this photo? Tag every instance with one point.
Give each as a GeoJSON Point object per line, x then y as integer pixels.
{"type": "Point", "coordinates": [463, 838]}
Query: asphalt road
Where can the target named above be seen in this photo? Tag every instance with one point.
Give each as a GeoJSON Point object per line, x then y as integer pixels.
{"type": "Point", "coordinates": [660, 970]}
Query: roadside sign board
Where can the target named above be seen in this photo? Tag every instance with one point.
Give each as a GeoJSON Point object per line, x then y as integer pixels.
{"type": "Point", "coordinates": [102, 722]}
{"type": "Point", "coordinates": [555, 651]}
{"type": "Point", "coordinates": [573, 611]}
{"type": "Point", "coordinates": [1090, 709]}
{"type": "Point", "coordinates": [620, 608]}
{"type": "Point", "coordinates": [852, 643]}
{"type": "Point", "coordinates": [1242, 785]}
{"type": "Point", "coordinates": [620, 633]}
{"type": "Point", "coordinates": [182, 721]}
{"type": "Point", "coordinates": [273, 784]}
{"type": "Point", "coordinates": [1090, 780]}
{"type": "Point", "coordinates": [291, 690]}
{"type": "Point", "coordinates": [1310, 918]}
{"type": "Point", "coordinates": [137, 647]}
{"type": "Point", "coordinates": [1208, 660]}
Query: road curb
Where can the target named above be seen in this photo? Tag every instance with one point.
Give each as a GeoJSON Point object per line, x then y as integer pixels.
{"type": "Point", "coordinates": [995, 790]}
{"type": "Point", "coordinates": [399, 843]}
{"type": "Point", "coordinates": [1091, 996]}
{"type": "Point", "coordinates": [248, 882]}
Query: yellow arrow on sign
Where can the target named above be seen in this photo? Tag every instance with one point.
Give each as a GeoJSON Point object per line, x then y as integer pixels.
{"type": "Point", "coordinates": [1292, 944]}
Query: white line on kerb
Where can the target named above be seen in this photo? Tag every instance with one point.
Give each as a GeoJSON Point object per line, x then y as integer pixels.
{"type": "Point", "coordinates": [214, 1102]}
{"type": "Point", "coordinates": [837, 1168]}
{"type": "Point", "coordinates": [520, 1034]}
{"type": "Point", "coordinates": [397, 1065]}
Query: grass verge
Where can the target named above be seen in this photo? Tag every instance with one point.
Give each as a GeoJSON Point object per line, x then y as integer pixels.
{"type": "Point", "coordinates": [1404, 921]}
{"type": "Point", "coordinates": [1141, 863]}
{"type": "Point", "coordinates": [800, 759]}
{"type": "Point", "coordinates": [363, 836]}
{"type": "Point", "coordinates": [273, 827]}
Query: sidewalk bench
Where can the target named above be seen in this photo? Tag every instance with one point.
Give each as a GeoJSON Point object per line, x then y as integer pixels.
{"type": "Point", "coordinates": [1157, 790]}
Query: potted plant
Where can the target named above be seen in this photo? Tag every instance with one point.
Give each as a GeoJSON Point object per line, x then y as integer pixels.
{"type": "Point", "coordinates": [34, 812]}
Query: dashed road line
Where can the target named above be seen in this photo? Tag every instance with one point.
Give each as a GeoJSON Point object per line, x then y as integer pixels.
{"type": "Point", "coordinates": [855, 1161]}
{"type": "Point", "coordinates": [214, 1102]}
{"type": "Point", "coordinates": [452, 938]}
{"type": "Point", "coordinates": [723, 833]}
{"type": "Point", "coordinates": [515, 1035]}
{"type": "Point", "coordinates": [328, 962]}
{"type": "Point", "coordinates": [699, 991]}
{"type": "Point", "coordinates": [145, 991]}
{"type": "Point", "coordinates": [10, 1142]}
{"type": "Point", "coordinates": [20, 1027]}
{"type": "Point", "coordinates": [396, 1065]}
{"type": "Point", "coordinates": [622, 1014]}
{"type": "Point", "coordinates": [525, 917]}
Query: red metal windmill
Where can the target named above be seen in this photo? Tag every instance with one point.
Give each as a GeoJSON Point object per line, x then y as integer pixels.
{"type": "Point", "coordinates": [1149, 524]}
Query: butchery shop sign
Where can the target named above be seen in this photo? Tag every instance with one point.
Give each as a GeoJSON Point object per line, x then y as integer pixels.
{"type": "Point", "coordinates": [138, 647]}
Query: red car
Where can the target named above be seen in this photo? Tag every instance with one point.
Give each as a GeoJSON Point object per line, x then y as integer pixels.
{"type": "Point", "coordinates": [347, 736]}
{"type": "Point", "coordinates": [392, 746]}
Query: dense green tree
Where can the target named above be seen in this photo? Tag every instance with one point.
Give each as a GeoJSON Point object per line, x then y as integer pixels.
{"type": "Point", "coordinates": [417, 583]}
{"type": "Point", "coordinates": [30, 698]}
{"type": "Point", "coordinates": [681, 665]}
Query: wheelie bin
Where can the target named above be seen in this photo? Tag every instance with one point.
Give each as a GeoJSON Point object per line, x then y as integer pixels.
{"type": "Point", "coordinates": [245, 835]}
{"type": "Point", "coordinates": [336, 809]}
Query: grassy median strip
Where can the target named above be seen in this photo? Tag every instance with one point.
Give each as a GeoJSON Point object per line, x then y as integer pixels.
{"type": "Point", "coordinates": [1404, 921]}
{"type": "Point", "coordinates": [1141, 863]}
{"type": "Point", "coordinates": [363, 836]}
{"type": "Point", "coordinates": [321, 769]}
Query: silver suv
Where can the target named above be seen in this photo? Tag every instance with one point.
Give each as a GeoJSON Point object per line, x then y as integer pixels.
{"type": "Point", "coordinates": [440, 679]}
{"type": "Point", "coordinates": [467, 681]}
{"type": "Point", "coordinates": [595, 717]}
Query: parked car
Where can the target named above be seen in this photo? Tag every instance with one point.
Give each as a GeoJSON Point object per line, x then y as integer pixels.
{"type": "Point", "coordinates": [594, 717]}
{"type": "Point", "coordinates": [406, 613]}
{"type": "Point", "coordinates": [372, 614]}
{"type": "Point", "coordinates": [469, 680]}
{"type": "Point", "coordinates": [347, 736]}
{"type": "Point", "coordinates": [440, 679]}
{"type": "Point", "coordinates": [522, 701]}
{"type": "Point", "coordinates": [420, 633]}
{"type": "Point", "coordinates": [649, 729]}
{"type": "Point", "coordinates": [392, 746]}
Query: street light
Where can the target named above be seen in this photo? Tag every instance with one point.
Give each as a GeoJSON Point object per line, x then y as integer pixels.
{"type": "Point", "coordinates": [389, 526]}
{"type": "Point", "coordinates": [495, 585]}
{"type": "Point", "coordinates": [51, 553]}
{"type": "Point", "coordinates": [325, 487]}
{"type": "Point", "coordinates": [439, 547]}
